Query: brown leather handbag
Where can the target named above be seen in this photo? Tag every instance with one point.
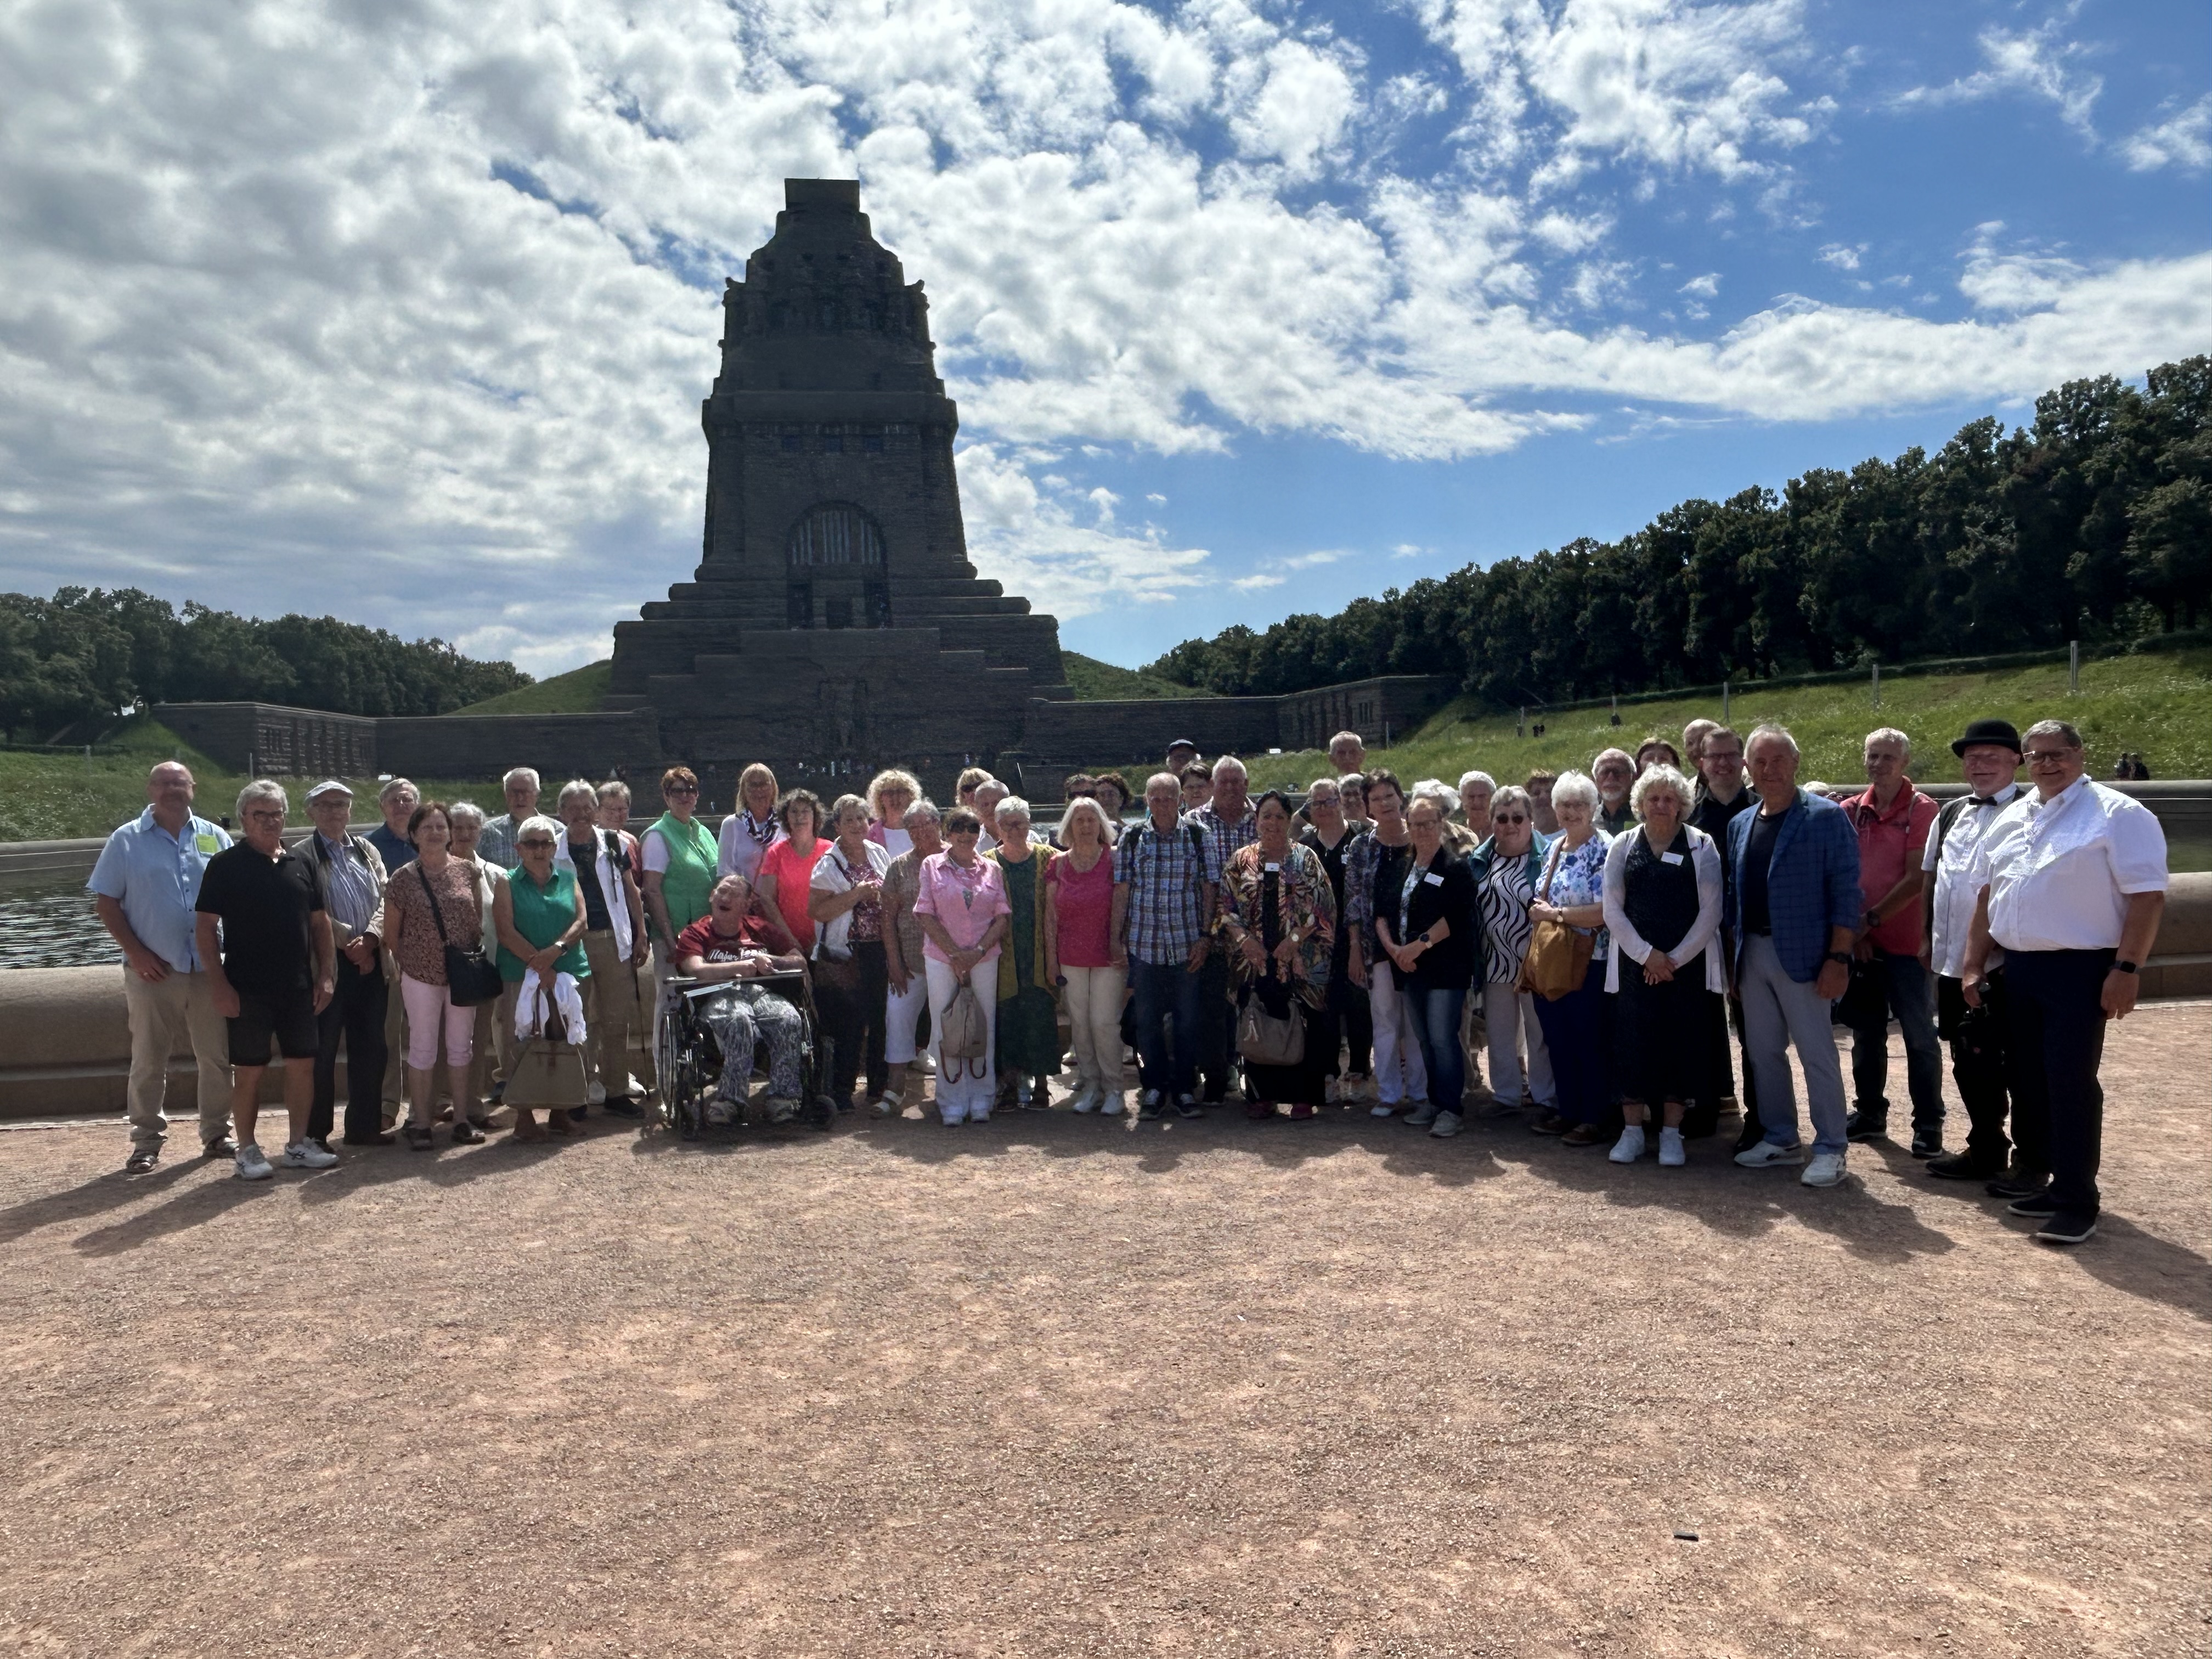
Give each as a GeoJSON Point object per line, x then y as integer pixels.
{"type": "Point", "coordinates": [1559, 956]}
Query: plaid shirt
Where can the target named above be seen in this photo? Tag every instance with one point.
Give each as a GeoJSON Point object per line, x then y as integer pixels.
{"type": "Point", "coordinates": [495, 842]}
{"type": "Point", "coordinates": [1361, 866]}
{"type": "Point", "coordinates": [1167, 901]}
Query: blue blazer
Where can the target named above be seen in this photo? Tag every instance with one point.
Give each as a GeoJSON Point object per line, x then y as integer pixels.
{"type": "Point", "coordinates": [1812, 881]}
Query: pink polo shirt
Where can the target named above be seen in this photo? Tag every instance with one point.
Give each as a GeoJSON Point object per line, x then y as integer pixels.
{"type": "Point", "coordinates": [963, 898]}
{"type": "Point", "coordinates": [1890, 844]}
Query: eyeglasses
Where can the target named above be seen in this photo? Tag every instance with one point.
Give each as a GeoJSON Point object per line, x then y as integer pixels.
{"type": "Point", "coordinates": [266, 817]}
{"type": "Point", "coordinates": [2049, 756]}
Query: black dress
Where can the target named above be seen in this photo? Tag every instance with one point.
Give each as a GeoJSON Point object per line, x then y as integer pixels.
{"type": "Point", "coordinates": [1657, 1029]}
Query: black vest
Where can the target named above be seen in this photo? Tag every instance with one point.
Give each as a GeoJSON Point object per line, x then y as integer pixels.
{"type": "Point", "coordinates": [1661, 898]}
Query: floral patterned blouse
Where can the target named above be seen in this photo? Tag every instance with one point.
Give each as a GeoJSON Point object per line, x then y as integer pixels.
{"type": "Point", "coordinates": [1578, 878]}
{"type": "Point", "coordinates": [1305, 906]}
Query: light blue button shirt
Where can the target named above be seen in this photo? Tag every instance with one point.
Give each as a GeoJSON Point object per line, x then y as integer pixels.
{"type": "Point", "coordinates": [155, 877]}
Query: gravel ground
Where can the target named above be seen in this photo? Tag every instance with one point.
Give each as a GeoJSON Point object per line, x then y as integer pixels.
{"type": "Point", "coordinates": [1057, 1386]}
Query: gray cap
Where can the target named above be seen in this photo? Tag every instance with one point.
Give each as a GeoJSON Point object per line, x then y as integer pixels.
{"type": "Point", "coordinates": [330, 786]}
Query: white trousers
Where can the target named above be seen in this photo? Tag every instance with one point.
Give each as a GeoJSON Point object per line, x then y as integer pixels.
{"type": "Point", "coordinates": [964, 1087]}
{"type": "Point", "coordinates": [1514, 1031]}
{"type": "Point", "coordinates": [903, 1012]}
{"type": "Point", "coordinates": [1400, 1074]}
{"type": "Point", "coordinates": [431, 1012]}
{"type": "Point", "coordinates": [1094, 1000]}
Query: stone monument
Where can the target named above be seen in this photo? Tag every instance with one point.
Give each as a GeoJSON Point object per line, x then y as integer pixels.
{"type": "Point", "coordinates": [834, 623]}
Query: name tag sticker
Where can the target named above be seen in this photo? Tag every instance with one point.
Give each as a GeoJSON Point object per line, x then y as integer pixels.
{"type": "Point", "coordinates": [207, 844]}
{"type": "Point", "coordinates": [1670, 858]}
{"type": "Point", "coordinates": [1433, 879]}
{"type": "Point", "coordinates": [1274, 869]}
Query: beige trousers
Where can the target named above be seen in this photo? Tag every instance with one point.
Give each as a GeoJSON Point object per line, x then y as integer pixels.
{"type": "Point", "coordinates": [182, 1005]}
{"type": "Point", "coordinates": [618, 1002]}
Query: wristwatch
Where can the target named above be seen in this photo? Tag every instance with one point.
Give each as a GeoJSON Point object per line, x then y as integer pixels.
{"type": "Point", "coordinates": [1843, 956]}
{"type": "Point", "coordinates": [2125, 966]}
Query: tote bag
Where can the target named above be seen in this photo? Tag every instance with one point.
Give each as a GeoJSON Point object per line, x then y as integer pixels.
{"type": "Point", "coordinates": [1266, 1040]}
{"type": "Point", "coordinates": [1559, 956]}
{"type": "Point", "coordinates": [966, 1035]}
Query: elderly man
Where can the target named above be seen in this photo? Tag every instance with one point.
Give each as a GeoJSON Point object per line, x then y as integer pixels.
{"type": "Point", "coordinates": [1166, 876]}
{"type": "Point", "coordinates": [1721, 795]}
{"type": "Point", "coordinates": [270, 972]}
{"type": "Point", "coordinates": [1229, 824]}
{"type": "Point", "coordinates": [397, 801]}
{"type": "Point", "coordinates": [144, 889]}
{"type": "Point", "coordinates": [615, 944]}
{"type": "Point", "coordinates": [1795, 905]}
{"type": "Point", "coordinates": [1693, 743]}
{"type": "Point", "coordinates": [1347, 752]}
{"type": "Point", "coordinates": [1988, 759]}
{"type": "Point", "coordinates": [1180, 753]}
{"type": "Point", "coordinates": [2073, 883]}
{"type": "Point", "coordinates": [496, 846]}
{"type": "Point", "coordinates": [1613, 772]}
{"type": "Point", "coordinates": [350, 878]}
{"type": "Point", "coordinates": [1893, 819]}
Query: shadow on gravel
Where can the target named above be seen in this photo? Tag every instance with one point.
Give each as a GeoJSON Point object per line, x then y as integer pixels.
{"type": "Point", "coordinates": [92, 1198]}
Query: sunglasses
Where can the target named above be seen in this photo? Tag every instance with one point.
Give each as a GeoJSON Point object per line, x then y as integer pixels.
{"type": "Point", "coordinates": [681, 789]}
{"type": "Point", "coordinates": [1509, 817]}
{"type": "Point", "coordinates": [535, 844]}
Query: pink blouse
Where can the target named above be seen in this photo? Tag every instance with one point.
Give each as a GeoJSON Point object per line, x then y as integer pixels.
{"type": "Point", "coordinates": [963, 898]}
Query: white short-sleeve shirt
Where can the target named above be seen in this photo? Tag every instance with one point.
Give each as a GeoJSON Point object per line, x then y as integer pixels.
{"type": "Point", "coordinates": [2060, 872]}
{"type": "Point", "coordinates": [1956, 890]}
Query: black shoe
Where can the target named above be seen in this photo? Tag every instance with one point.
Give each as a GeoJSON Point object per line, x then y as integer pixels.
{"type": "Point", "coordinates": [1863, 1125]}
{"type": "Point", "coordinates": [626, 1107]}
{"type": "Point", "coordinates": [1926, 1143]}
{"type": "Point", "coordinates": [2021, 1183]}
{"type": "Point", "coordinates": [1189, 1108]}
{"type": "Point", "coordinates": [466, 1134]}
{"type": "Point", "coordinates": [578, 1114]}
{"type": "Point", "coordinates": [141, 1160]}
{"type": "Point", "coordinates": [2035, 1204]}
{"type": "Point", "coordinates": [222, 1146]}
{"type": "Point", "coordinates": [1551, 1124]}
{"type": "Point", "coordinates": [1962, 1166]}
{"type": "Point", "coordinates": [2067, 1227]}
{"type": "Point", "coordinates": [1753, 1133]}
{"type": "Point", "coordinates": [377, 1139]}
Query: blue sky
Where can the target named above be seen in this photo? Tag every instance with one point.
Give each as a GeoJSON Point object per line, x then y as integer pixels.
{"type": "Point", "coordinates": [404, 312]}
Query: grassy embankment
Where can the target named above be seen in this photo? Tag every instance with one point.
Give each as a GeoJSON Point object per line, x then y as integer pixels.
{"type": "Point", "coordinates": [1099, 682]}
{"type": "Point", "coordinates": [2158, 704]}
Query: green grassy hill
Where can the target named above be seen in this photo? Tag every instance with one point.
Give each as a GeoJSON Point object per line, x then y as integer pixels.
{"type": "Point", "coordinates": [576, 692]}
{"type": "Point", "coordinates": [1099, 682]}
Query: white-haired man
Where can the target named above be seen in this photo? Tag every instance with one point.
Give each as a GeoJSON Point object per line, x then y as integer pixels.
{"type": "Point", "coordinates": [1164, 883]}
{"type": "Point", "coordinates": [351, 877]}
{"type": "Point", "coordinates": [397, 801]}
{"type": "Point", "coordinates": [1893, 819]}
{"type": "Point", "coordinates": [144, 889]}
{"type": "Point", "coordinates": [1347, 752]}
{"type": "Point", "coordinates": [270, 969]}
{"type": "Point", "coordinates": [1228, 824]}
{"type": "Point", "coordinates": [2073, 880]}
{"type": "Point", "coordinates": [496, 845]}
{"type": "Point", "coordinates": [1613, 772]}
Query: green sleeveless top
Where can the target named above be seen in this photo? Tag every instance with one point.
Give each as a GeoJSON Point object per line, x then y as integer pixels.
{"type": "Point", "coordinates": [688, 881]}
{"type": "Point", "coordinates": [542, 914]}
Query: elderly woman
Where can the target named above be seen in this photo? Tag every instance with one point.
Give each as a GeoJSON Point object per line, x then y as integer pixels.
{"type": "Point", "coordinates": [786, 869]}
{"type": "Point", "coordinates": [614, 815]}
{"type": "Point", "coordinates": [845, 899]}
{"type": "Point", "coordinates": [1079, 945]}
{"type": "Point", "coordinates": [1352, 790]}
{"type": "Point", "coordinates": [906, 993]}
{"type": "Point", "coordinates": [678, 854]}
{"type": "Point", "coordinates": [960, 901]}
{"type": "Point", "coordinates": [1507, 870]}
{"type": "Point", "coordinates": [1446, 801]}
{"type": "Point", "coordinates": [889, 794]}
{"type": "Point", "coordinates": [1475, 790]}
{"type": "Point", "coordinates": [1655, 751]}
{"type": "Point", "coordinates": [1372, 871]}
{"type": "Point", "coordinates": [1663, 907]}
{"type": "Point", "coordinates": [487, 1042]}
{"type": "Point", "coordinates": [1572, 890]}
{"type": "Point", "coordinates": [540, 918]}
{"type": "Point", "coordinates": [749, 832]}
{"type": "Point", "coordinates": [1348, 1030]}
{"type": "Point", "coordinates": [971, 780]}
{"type": "Point", "coordinates": [433, 901]}
{"type": "Point", "coordinates": [726, 946]}
{"type": "Point", "coordinates": [1279, 919]}
{"type": "Point", "coordinates": [1114, 795]}
{"type": "Point", "coordinates": [1426, 928]}
{"type": "Point", "coordinates": [1540, 801]}
{"type": "Point", "coordinates": [1028, 1040]}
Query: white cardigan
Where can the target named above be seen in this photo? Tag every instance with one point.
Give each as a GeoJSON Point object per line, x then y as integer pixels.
{"type": "Point", "coordinates": [1706, 860]}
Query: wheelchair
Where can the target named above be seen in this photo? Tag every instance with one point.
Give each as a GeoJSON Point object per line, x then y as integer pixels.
{"type": "Point", "coordinates": [691, 1057]}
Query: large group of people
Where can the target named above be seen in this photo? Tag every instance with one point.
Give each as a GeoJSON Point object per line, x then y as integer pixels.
{"type": "Point", "coordinates": [1610, 947]}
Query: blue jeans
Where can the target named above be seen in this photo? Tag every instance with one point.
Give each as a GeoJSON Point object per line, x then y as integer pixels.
{"type": "Point", "coordinates": [1574, 1036]}
{"type": "Point", "coordinates": [1910, 1000]}
{"type": "Point", "coordinates": [1158, 989]}
{"type": "Point", "coordinates": [1436, 1024]}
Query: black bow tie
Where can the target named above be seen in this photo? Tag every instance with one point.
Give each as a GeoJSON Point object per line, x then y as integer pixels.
{"type": "Point", "coordinates": [1981, 800]}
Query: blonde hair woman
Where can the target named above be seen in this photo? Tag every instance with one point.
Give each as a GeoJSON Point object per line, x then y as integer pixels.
{"type": "Point", "coordinates": [889, 794]}
{"type": "Point", "coordinates": [1079, 945]}
{"type": "Point", "coordinates": [751, 829]}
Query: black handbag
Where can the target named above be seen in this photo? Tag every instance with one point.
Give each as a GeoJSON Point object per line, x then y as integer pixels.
{"type": "Point", "coordinates": [471, 977]}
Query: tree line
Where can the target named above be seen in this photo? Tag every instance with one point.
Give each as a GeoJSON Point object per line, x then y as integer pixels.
{"type": "Point", "coordinates": [2094, 523]}
{"type": "Point", "coordinates": [87, 652]}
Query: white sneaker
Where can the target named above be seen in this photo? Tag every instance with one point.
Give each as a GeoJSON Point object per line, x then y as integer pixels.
{"type": "Point", "coordinates": [979, 1114]}
{"type": "Point", "coordinates": [253, 1162]}
{"type": "Point", "coordinates": [1331, 1093]}
{"type": "Point", "coordinates": [1630, 1146]}
{"type": "Point", "coordinates": [1672, 1153]}
{"type": "Point", "coordinates": [1086, 1099]}
{"type": "Point", "coordinates": [305, 1155]}
{"type": "Point", "coordinates": [1423, 1114]}
{"type": "Point", "coordinates": [1826, 1169]}
{"type": "Point", "coordinates": [1110, 1105]}
{"type": "Point", "coordinates": [887, 1103]}
{"type": "Point", "coordinates": [1765, 1155]}
{"type": "Point", "coordinates": [1446, 1126]}
{"type": "Point", "coordinates": [1382, 1109]}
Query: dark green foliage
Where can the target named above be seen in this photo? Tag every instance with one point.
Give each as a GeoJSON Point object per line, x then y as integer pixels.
{"type": "Point", "coordinates": [87, 652]}
{"type": "Point", "coordinates": [2093, 524]}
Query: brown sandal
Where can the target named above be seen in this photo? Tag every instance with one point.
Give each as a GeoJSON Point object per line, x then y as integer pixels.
{"type": "Point", "coordinates": [525, 1128]}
